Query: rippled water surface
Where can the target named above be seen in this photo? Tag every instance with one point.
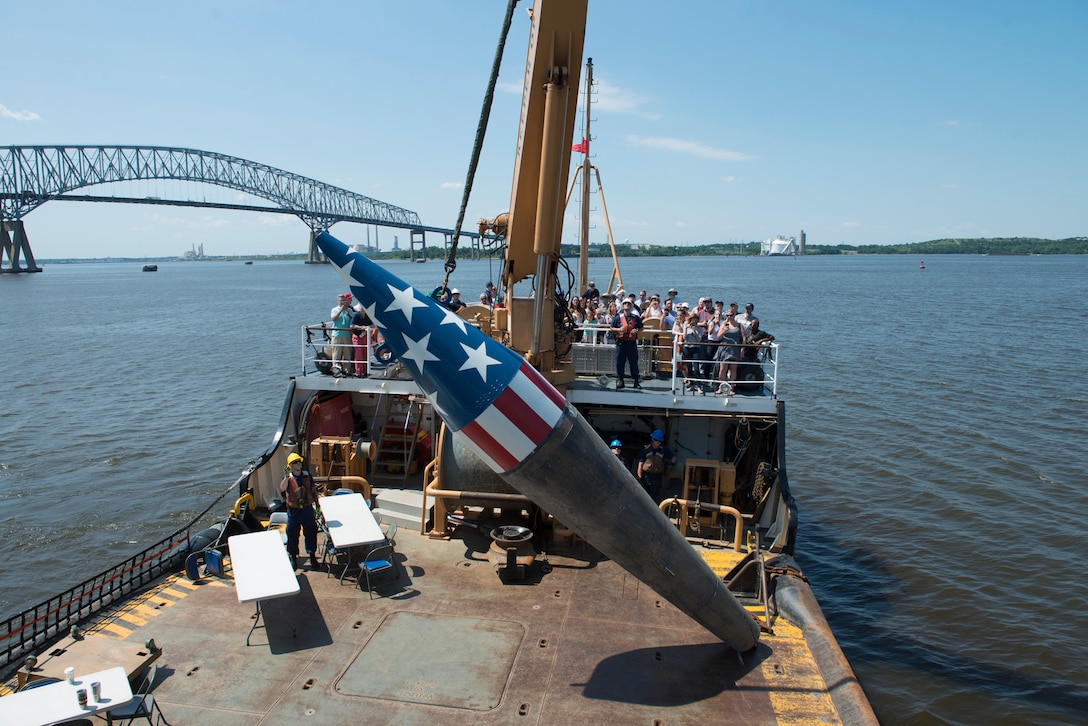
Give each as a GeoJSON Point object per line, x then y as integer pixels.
{"type": "Point", "coordinates": [936, 442]}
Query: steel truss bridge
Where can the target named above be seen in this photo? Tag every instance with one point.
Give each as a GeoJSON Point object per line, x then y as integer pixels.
{"type": "Point", "coordinates": [33, 175]}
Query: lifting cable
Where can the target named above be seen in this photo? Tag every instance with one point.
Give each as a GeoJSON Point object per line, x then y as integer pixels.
{"type": "Point", "coordinates": [481, 129]}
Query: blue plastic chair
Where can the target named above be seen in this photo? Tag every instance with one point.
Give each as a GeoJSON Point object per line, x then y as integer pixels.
{"type": "Point", "coordinates": [38, 684]}
{"type": "Point", "coordinates": [379, 559]}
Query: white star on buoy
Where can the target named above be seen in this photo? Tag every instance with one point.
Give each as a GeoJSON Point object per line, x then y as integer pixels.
{"type": "Point", "coordinates": [478, 359]}
{"type": "Point", "coordinates": [417, 351]}
{"type": "Point", "coordinates": [372, 313]}
{"type": "Point", "coordinates": [452, 318]}
{"type": "Point", "coordinates": [405, 301]}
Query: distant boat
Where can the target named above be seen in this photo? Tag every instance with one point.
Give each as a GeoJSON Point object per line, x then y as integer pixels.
{"type": "Point", "coordinates": [249, 262]}
{"type": "Point", "coordinates": [922, 266]}
{"type": "Point", "coordinates": [151, 268]}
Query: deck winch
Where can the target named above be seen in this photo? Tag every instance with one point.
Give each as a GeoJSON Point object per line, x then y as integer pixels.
{"type": "Point", "coordinates": [511, 551]}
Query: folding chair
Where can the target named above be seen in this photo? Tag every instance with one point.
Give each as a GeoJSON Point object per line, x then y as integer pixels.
{"type": "Point", "coordinates": [379, 559]}
{"type": "Point", "coordinates": [141, 706]}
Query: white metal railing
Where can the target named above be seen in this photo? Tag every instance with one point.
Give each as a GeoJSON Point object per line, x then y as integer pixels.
{"type": "Point", "coordinates": [320, 351]}
{"type": "Point", "coordinates": [696, 371]}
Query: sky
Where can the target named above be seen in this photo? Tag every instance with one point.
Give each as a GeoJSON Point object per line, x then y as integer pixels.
{"type": "Point", "coordinates": [713, 122]}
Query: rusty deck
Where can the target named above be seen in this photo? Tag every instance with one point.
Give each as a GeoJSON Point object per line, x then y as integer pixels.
{"type": "Point", "coordinates": [450, 643]}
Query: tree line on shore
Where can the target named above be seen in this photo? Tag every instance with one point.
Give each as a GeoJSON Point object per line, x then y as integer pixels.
{"type": "Point", "coordinates": [974, 246]}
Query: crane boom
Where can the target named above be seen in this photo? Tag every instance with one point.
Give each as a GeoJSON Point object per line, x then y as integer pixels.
{"type": "Point", "coordinates": [534, 224]}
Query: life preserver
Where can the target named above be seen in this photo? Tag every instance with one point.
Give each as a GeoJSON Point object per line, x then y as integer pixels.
{"type": "Point", "coordinates": [245, 500]}
{"type": "Point", "coordinates": [384, 355]}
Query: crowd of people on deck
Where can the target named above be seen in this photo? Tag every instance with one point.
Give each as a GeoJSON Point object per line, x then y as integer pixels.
{"type": "Point", "coordinates": [353, 339]}
{"type": "Point", "coordinates": [714, 340]}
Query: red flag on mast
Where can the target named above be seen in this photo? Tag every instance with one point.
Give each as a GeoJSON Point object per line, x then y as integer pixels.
{"type": "Point", "coordinates": [581, 148]}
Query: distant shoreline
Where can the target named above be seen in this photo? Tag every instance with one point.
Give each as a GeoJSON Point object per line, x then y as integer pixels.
{"type": "Point", "coordinates": [992, 246]}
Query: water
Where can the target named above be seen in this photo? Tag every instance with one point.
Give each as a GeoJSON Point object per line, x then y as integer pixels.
{"type": "Point", "coordinates": [936, 442]}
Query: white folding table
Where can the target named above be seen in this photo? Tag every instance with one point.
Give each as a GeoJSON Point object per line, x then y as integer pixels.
{"type": "Point", "coordinates": [350, 523]}
{"type": "Point", "coordinates": [57, 702]}
{"type": "Point", "coordinates": [262, 569]}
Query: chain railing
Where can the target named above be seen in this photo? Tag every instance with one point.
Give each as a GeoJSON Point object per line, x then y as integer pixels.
{"type": "Point", "coordinates": [33, 628]}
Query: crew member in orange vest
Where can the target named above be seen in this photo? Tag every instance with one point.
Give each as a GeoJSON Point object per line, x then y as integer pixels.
{"type": "Point", "coordinates": [626, 326]}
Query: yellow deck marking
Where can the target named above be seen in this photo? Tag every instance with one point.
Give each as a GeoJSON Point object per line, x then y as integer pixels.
{"type": "Point", "coordinates": [145, 611]}
{"type": "Point", "coordinates": [217, 582]}
{"type": "Point", "coordinates": [721, 561]}
{"type": "Point", "coordinates": [132, 618]}
{"type": "Point", "coordinates": [116, 629]}
{"type": "Point", "coordinates": [798, 692]}
{"type": "Point", "coordinates": [184, 583]}
{"type": "Point", "coordinates": [176, 594]}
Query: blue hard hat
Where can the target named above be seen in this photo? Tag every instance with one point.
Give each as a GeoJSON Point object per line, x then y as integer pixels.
{"type": "Point", "coordinates": [658, 435]}
{"type": "Point", "coordinates": [615, 444]}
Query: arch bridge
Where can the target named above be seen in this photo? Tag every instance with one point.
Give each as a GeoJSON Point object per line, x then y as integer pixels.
{"type": "Point", "coordinates": [33, 175]}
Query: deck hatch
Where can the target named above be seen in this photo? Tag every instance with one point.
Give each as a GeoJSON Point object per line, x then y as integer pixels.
{"type": "Point", "coordinates": [436, 659]}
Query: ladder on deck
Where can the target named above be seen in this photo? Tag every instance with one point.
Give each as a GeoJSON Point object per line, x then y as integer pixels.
{"type": "Point", "coordinates": [397, 437]}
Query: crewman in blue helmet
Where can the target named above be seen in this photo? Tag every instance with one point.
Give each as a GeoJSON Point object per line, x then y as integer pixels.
{"type": "Point", "coordinates": [653, 462]}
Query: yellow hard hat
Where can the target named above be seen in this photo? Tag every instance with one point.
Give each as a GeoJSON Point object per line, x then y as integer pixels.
{"type": "Point", "coordinates": [293, 458]}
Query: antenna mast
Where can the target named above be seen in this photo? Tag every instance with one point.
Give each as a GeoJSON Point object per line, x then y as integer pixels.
{"type": "Point", "coordinates": [583, 247]}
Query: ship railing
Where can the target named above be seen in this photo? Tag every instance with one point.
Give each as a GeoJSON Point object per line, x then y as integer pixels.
{"type": "Point", "coordinates": [321, 350]}
{"type": "Point", "coordinates": [688, 368]}
{"type": "Point", "coordinates": [699, 369]}
{"type": "Point", "coordinates": [37, 626]}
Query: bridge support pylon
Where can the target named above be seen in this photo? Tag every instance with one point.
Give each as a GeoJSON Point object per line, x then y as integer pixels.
{"type": "Point", "coordinates": [315, 256]}
{"type": "Point", "coordinates": [417, 238]}
{"type": "Point", "coordinates": [13, 249]}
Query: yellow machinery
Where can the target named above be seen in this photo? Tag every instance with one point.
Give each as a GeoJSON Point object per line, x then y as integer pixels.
{"type": "Point", "coordinates": [534, 225]}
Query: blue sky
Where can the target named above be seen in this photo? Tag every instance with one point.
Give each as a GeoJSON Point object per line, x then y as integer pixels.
{"type": "Point", "coordinates": [725, 121]}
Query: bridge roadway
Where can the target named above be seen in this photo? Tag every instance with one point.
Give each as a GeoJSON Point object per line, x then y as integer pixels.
{"type": "Point", "coordinates": [33, 175]}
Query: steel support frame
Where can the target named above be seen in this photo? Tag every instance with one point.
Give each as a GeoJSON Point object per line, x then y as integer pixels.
{"type": "Point", "coordinates": [12, 249]}
{"type": "Point", "coordinates": [33, 175]}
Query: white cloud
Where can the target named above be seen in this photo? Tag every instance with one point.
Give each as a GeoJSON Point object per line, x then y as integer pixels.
{"type": "Point", "coordinates": [691, 148]}
{"type": "Point", "coordinates": [951, 122]}
{"type": "Point", "coordinates": [6, 112]}
{"type": "Point", "coordinates": [278, 220]}
{"type": "Point", "coordinates": [452, 185]}
{"type": "Point", "coordinates": [209, 222]}
{"type": "Point", "coordinates": [508, 87]}
{"type": "Point", "coordinates": [615, 99]}
{"type": "Point", "coordinates": [203, 222]}
{"type": "Point", "coordinates": [850, 224]}
{"type": "Point", "coordinates": [730, 179]}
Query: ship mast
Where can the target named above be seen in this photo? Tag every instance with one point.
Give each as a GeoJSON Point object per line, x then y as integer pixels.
{"type": "Point", "coordinates": [615, 281]}
{"type": "Point", "coordinates": [583, 247]}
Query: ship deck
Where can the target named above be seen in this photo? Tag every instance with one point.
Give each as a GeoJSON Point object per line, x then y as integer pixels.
{"type": "Point", "coordinates": [449, 642]}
